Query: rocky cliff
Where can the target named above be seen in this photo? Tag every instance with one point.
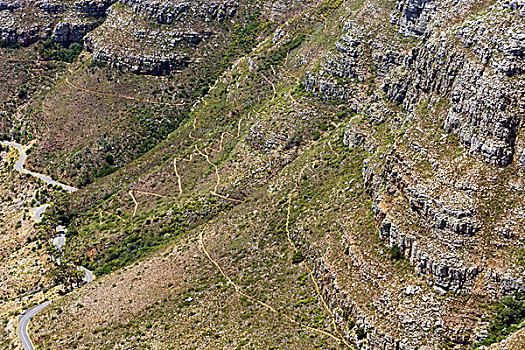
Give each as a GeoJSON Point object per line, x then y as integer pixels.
{"type": "Point", "coordinates": [159, 37]}
{"type": "Point", "coordinates": [454, 70]}
{"type": "Point", "coordinates": [24, 22]}
{"type": "Point", "coordinates": [82, 17]}
{"type": "Point", "coordinates": [473, 64]}
{"type": "Point", "coordinates": [146, 42]}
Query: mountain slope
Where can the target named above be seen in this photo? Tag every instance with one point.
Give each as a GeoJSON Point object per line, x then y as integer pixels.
{"type": "Point", "coordinates": [355, 180]}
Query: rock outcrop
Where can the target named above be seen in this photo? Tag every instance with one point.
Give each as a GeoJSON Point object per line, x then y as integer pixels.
{"type": "Point", "coordinates": [474, 75]}
{"type": "Point", "coordinates": [24, 22]}
{"type": "Point", "coordinates": [156, 37]}
{"type": "Point", "coordinates": [82, 17]}
{"type": "Point", "coordinates": [413, 16]}
{"type": "Point", "coordinates": [168, 12]}
{"type": "Point", "coordinates": [463, 63]}
{"type": "Point", "coordinates": [159, 36]}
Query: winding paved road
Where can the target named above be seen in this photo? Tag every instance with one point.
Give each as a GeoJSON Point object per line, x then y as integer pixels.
{"type": "Point", "coordinates": [59, 241]}
{"type": "Point", "coordinates": [38, 212]}
{"type": "Point", "coordinates": [26, 316]}
{"type": "Point", "coordinates": [24, 319]}
{"type": "Point", "coordinates": [19, 166]}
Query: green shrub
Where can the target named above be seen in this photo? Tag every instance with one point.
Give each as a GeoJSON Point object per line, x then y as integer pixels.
{"type": "Point", "coordinates": [395, 253]}
{"type": "Point", "coordinates": [302, 279]}
{"type": "Point", "coordinates": [7, 45]}
{"type": "Point", "coordinates": [297, 257]}
{"type": "Point", "coordinates": [278, 56]}
{"type": "Point", "coordinates": [106, 170]}
{"type": "Point", "coordinates": [360, 332]}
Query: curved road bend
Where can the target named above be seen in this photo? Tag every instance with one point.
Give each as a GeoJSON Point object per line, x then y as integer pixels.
{"type": "Point", "coordinates": [25, 317]}
{"type": "Point", "coordinates": [19, 166]}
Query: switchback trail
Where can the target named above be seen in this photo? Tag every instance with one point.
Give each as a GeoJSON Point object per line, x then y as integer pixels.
{"type": "Point", "coordinates": [337, 336]}
{"type": "Point", "coordinates": [206, 154]}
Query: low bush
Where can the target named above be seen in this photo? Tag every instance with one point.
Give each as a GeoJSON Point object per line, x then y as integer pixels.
{"type": "Point", "coordinates": [297, 257]}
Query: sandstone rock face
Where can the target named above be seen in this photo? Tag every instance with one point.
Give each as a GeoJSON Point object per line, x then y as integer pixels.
{"type": "Point", "coordinates": [24, 22]}
{"type": "Point", "coordinates": [413, 16]}
{"type": "Point", "coordinates": [156, 37]}
{"type": "Point", "coordinates": [11, 5]}
{"type": "Point", "coordinates": [53, 7]}
{"type": "Point", "coordinates": [438, 92]}
{"type": "Point", "coordinates": [474, 74]}
{"type": "Point", "coordinates": [468, 64]}
{"type": "Point", "coordinates": [358, 49]}
{"type": "Point", "coordinates": [333, 79]}
{"type": "Point", "coordinates": [68, 32]}
{"type": "Point", "coordinates": [129, 43]}
{"type": "Point", "coordinates": [160, 36]}
{"type": "Point", "coordinates": [464, 63]}
{"type": "Point", "coordinates": [92, 8]}
{"type": "Point", "coordinates": [439, 262]}
{"type": "Point", "coordinates": [167, 12]}
{"type": "Point", "coordinates": [83, 16]}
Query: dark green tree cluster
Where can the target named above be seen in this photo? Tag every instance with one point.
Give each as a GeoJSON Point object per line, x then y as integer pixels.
{"type": "Point", "coordinates": [509, 313]}
{"type": "Point", "coordinates": [7, 45]}
{"type": "Point", "coordinates": [132, 248]}
{"type": "Point", "coordinates": [52, 51]}
{"type": "Point", "coordinates": [66, 273]}
{"type": "Point", "coordinates": [396, 253]}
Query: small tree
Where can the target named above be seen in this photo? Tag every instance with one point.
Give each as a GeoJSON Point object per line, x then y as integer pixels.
{"type": "Point", "coordinates": [297, 257]}
{"type": "Point", "coordinates": [395, 253]}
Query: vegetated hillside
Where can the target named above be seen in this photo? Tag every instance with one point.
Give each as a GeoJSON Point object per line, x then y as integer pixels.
{"type": "Point", "coordinates": [97, 119]}
{"type": "Point", "coordinates": [102, 114]}
{"type": "Point", "coordinates": [354, 181]}
{"type": "Point", "coordinates": [26, 269]}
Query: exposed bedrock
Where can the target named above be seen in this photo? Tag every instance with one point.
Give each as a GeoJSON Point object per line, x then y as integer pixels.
{"type": "Point", "coordinates": [83, 17]}
{"type": "Point", "coordinates": [167, 12]}
{"type": "Point", "coordinates": [413, 16]}
{"type": "Point", "coordinates": [472, 65]}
